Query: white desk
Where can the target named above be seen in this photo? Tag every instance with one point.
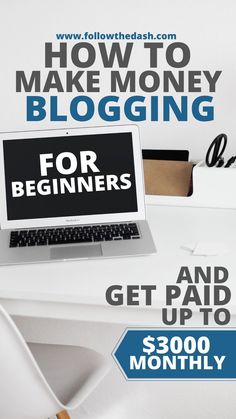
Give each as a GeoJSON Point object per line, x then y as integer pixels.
{"type": "Point", "coordinates": [65, 303]}
{"type": "Point", "coordinates": [76, 290]}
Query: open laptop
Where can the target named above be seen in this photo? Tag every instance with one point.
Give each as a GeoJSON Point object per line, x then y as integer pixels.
{"type": "Point", "coordinates": [72, 194]}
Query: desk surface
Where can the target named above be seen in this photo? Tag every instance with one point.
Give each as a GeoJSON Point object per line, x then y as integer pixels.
{"type": "Point", "coordinates": [76, 290]}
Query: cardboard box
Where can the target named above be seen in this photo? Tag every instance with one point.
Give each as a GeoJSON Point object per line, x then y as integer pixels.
{"type": "Point", "coordinates": [165, 177]}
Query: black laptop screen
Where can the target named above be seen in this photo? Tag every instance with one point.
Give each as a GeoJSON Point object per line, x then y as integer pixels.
{"type": "Point", "coordinates": [69, 176]}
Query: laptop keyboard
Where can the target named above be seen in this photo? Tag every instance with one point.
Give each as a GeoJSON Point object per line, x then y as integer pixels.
{"type": "Point", "coordinates": [77, 234]}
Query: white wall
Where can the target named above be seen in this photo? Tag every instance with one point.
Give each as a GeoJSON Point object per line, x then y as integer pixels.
{"type": "Point", "coordinates": [207, 26]}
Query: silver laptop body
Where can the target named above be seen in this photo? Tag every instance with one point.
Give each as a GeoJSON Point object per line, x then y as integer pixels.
{"type": "Point", "coordinates": [72, 194]}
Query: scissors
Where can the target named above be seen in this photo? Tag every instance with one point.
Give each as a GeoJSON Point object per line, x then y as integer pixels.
{"type": "Point", "coordinates": [214, 156]}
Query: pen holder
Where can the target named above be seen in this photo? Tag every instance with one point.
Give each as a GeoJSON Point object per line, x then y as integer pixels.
{"type": "Point", "coordinates": [213, 187]}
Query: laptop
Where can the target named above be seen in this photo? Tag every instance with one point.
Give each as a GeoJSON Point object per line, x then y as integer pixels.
{"type": "Point", "coordinates": [72, 194]}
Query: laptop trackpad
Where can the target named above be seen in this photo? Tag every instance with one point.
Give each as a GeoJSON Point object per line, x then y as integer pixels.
{"type": "Point", "coordinates": [74, 252]}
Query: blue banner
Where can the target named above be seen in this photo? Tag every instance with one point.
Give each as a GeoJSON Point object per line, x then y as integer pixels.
{"type": "Point", "coordinates": [145, 354]}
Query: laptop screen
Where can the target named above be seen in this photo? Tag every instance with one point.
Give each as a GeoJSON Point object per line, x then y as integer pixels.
{"type": "Point", "coordinates": [69, 176]}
